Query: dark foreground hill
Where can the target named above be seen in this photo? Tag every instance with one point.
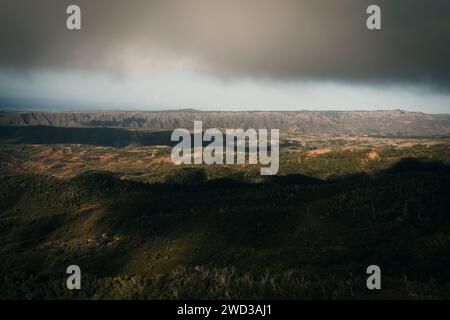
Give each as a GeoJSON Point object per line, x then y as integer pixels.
{"type": "Point", "coordinates": [394, 122]}
{"type": "Point", "coordinates": [291, 237]}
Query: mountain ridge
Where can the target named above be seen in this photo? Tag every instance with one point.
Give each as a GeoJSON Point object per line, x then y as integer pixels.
{"type": "Point", "coordinates": [397, 122]}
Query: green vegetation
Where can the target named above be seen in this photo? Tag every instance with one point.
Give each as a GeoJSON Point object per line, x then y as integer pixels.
{"type": "Point", "coordinates": [230, 238]}
{"type": "Point", "coordinates": [140, 227]}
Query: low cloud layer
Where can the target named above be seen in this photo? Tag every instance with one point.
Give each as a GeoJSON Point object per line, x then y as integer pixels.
{"type": "Point", "coordinates": [255, 39]}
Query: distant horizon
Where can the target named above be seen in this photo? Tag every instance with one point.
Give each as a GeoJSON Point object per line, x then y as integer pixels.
{"type": "Point", "coordinates": [55, 110]}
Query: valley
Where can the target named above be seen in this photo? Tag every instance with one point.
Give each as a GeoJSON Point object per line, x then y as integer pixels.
{"type": "Point", "coordinates": [141, 227]}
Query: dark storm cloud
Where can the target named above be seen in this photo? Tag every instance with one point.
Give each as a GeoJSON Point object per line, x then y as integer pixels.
{"type": "Point", "coordinates": [274, 39]}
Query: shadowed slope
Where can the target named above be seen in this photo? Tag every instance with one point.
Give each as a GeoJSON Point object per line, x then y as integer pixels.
{"type": "Point", "coordinates": [318, 230]}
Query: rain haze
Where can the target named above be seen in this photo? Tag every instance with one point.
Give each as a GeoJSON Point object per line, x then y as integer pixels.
{"type": "Point", "coordinates": [225, 55]}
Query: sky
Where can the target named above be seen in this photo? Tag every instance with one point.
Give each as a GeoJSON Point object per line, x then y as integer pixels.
{"type": "Point", "coordinates": [225, 55]}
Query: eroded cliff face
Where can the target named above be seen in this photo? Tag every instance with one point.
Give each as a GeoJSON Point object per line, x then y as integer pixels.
{"type": "Point", "coordinates": [309, 122]}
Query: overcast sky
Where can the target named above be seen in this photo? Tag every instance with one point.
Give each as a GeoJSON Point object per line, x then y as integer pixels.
{"type": "Point", "coordinates": [225, 55]}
